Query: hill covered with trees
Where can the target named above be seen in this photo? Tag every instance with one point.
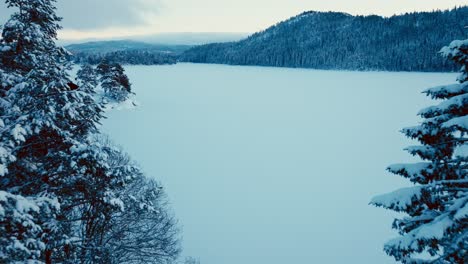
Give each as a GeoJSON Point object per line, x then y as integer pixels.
{"type": "Point", "coordinates": [332, 40]}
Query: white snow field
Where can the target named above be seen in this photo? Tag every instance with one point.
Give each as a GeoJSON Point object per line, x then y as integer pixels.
{"type": "Point", "coordinates": [270, 165]}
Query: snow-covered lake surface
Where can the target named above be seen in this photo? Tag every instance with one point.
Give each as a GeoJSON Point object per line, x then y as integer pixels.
{"type": "Point", "coordinates": [270, 165]}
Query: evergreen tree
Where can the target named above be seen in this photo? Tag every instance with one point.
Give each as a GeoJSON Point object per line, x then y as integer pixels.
{"type": "Point", "coordinates": [49, 160]}
{"type": "Point", "coordinates": [60, 184]}
{"type": "Point", "coordinates": [97, 196]}
{"type": "Point", "coordinates": [41, 119]}
{"type": "Point", "coordinates": [437, 205]}
{"type": "Point", "coordinates": [145, 231]}
{"type": "Point", "coordinates": [87, 78]}
{"type": "Point", "coordinates": [114, 81]}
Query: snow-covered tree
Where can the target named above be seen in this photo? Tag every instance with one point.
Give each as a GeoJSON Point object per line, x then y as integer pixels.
{"type": "Point", "coordinates": [126, 221]}
{"type": "Point", "coordinates": [97, 197]}
{"type": "Point", "coordinates": [22, 227]}
{"type": "Point", "coordinates": [146, 231]}
{"type": "Point", "coordinates": [62, 188]}
{"type": "Point", "coordinates": [86, 78]}
{"type": "Point", "coordinates": [114, 81]}
{"type": "Point", "coordinates": [435, 228]}
{"type": "Point", "coordinates": [45, 117]}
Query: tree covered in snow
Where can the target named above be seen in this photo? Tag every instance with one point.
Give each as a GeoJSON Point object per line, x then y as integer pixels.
{"type": "Point", "coordinates": [145, 231]}
{"type": "Point", "coordinates": [87, 77]}
{"type": "Point", "coordinates": [59, 183]}
{"type": "Point", "coordinates": [41, 118]}
{"type": "Point", "coordinates": [435, 228]}
{"type": "Point", "coordinates": [114, 81]}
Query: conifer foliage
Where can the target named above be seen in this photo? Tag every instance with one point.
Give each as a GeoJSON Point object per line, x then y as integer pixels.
{"type": "Point", "coordinates": [59, 186]}
{"type": "Point", "coordinates": [42, 119]}
{"type": "Point", "coordinates": [114, 81]}
{"type": "Point", "coordinates": [436, 207]}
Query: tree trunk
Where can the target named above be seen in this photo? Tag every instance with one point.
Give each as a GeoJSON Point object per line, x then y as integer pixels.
{"type": "Point", "coordinates": [48, 257]}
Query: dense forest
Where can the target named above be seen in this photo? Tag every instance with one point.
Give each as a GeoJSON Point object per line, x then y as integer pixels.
{"type": "Point", "coordinates": [125, 52]}
{"type": "Point", "coordinates": [127, 57]}
{"type": "Point", "coordinates": [331, 40]}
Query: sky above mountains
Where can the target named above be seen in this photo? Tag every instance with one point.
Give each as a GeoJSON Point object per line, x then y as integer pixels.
{"type": "Point", "coordinates": [121, 18]}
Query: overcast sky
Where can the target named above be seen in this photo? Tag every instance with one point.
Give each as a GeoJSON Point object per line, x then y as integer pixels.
{"type": "Point", "coordinates": [118, 18]}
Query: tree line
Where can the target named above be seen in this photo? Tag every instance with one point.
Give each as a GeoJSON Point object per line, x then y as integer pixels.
{"type": "Point", "coordinates": [126, 57]}
{"type": "Point", "coordinates": [331, 40]}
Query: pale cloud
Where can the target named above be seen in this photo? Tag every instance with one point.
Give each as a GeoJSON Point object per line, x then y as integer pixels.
{"type": "Point", "coordinates": [107, 33]}
{"type": "Point", "coordinates": [99, 14]}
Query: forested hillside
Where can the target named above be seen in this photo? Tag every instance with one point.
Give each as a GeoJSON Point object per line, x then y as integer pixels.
{"type": "Point", "coordinates": [331, 40]}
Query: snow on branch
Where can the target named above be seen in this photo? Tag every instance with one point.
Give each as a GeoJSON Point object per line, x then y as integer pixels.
{"type": "Point", "coordinates": [414, 171]}
{"type": "Point", "coordinates": [447, 91]}
{"type": "Point", "coordinates": [398, 200]}
{"type": "Point", "coordinates": [452, 104]}
{"type": "Point", "coordinates": [458, 122]}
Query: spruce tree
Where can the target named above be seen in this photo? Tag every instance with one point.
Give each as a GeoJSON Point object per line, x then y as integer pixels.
{"type": "Point", "coordinates": [86, 78]}
{"type": "Point", "coordinates": [60, 184]}
{"type": "Point", "coordinates": [49, 160]}
{"type": "Point", "coordinates": [114, 81]}
{"type": "Point", "coordinates": [436, 207]}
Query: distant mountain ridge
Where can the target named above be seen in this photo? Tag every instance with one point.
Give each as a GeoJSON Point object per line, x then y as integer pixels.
{"type": "Point", "coordinates": [192, 38]}
{"type": "Point", "coordinates": [170, 38]}
{"type": "Point", "coordinates": [333, 40]}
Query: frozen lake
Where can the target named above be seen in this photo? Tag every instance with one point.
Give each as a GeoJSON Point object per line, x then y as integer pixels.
{"type": "Point", "coordinates": [270, 165]}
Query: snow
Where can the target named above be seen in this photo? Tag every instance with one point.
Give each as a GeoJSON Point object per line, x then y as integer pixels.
{"type": "Point", "coordinates": [129, 104]}
{"type": "Point", "coordinates": [400, 199]}
{"type": "Point", "coordinates": [435, 229]}
{"type": "Point", "coordinates": [432, 230]}
{"type": "Point", "coordinates": [18, 133]}
{"type": "Point", "coordinates": [3, 170]}
{"type": "Point", "coordinates": [462, 212]}
{"type": "Point", "coordinates": [413, 169]}
{"type": "Point", "coordinates": [454, 102]}
{"type": "Point", "coordinates": [461, 151]}
{"type": "Point", "coordinates": [3, 196]}
{"type": "Point", "coordinates": [3, 152]}
{"type": "Point", "coordinates": [454, 47]}
{"type": "Point", "coordinates": [446, 90]}
{"type": "Point", "coordinates": [118, 203]}
{"type": "Point", "coordinates": [278, 164]}
{"type": "Point", "coordinates": [426, 151]}
{"type": "Point", "coordinates": [6, 48]}
{"type": "Point", "coordinates": [78, 148]}
{"type": "Point", "coordinates": [24, 205]}
{"type": "Point", "coordinates": [460, 122]}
